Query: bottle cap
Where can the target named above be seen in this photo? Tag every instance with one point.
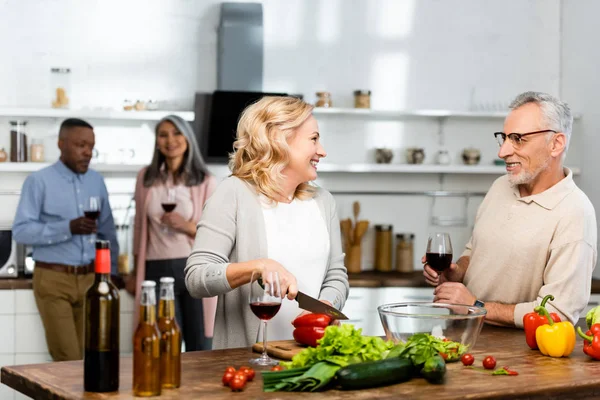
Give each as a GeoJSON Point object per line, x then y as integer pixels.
{"type": "Point", "coordinates": [102, 244]}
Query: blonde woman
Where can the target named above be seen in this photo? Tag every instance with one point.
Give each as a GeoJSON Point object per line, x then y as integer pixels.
{"type": "Point", "coordinates": [266, 216]}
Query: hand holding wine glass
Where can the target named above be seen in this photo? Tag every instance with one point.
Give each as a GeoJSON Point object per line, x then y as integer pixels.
{"type": "Point", "coordinates": [92, 211]}
{"type": "Point", "coordinates": [265, 302]}
{"type": "Point", "coordinates": [168, 205]}
{"type": "Point", "coordinates": [438, 258]}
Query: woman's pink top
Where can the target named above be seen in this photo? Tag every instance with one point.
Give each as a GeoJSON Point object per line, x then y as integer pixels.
{"type": "Point", "coordinates": [165, 243]}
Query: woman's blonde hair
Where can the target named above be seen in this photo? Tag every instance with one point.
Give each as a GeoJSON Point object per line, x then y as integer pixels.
{"type": "Point", "coordinates": [261, 150]}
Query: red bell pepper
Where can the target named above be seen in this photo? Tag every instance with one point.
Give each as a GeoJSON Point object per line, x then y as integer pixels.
{"type": "Point", "coordinates": [533, 320]}
{"type": "Point", "coordinates": [308, 335]}
{"type": "Point", "coordinates": [320, 320]}
{"type": "Point", "coordinates": [591, 342]}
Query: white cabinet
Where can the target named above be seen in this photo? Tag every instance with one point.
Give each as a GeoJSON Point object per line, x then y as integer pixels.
{"type": "Point", "coordinates": [361, 309]}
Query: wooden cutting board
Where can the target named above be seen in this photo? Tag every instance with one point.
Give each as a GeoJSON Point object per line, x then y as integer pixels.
{"type": "Point", "coordinates": [283, 349]}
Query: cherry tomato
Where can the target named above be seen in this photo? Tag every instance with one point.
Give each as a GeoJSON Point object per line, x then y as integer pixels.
{"type": "Point", "coordinates": [249, 372]}
{"type": "Point", "coordinates": [489, 362]}
{"type": "Point", "coordinates": [230, 369]}
{"type": "Point", "coordinates": [240, 375]}
{"type": "Point", "coordinates": [237, 383]}
{"type": "Point", "coordinates": [227, 377]}
{"type": "Point", "coordinates": [444, 356]}
{"type": "Point", "coordinates": [467, 359]}
{"type": "Point", "coordinates": [277, 368]}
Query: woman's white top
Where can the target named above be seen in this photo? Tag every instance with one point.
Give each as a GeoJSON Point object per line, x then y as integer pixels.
{"type": "Point", "coordinates": [298, 239]}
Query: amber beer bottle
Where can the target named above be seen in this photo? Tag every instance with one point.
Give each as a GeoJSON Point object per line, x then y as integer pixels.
{"type": "Point", "coordinates": [146, 346]}
{"type": "Point", "coordinates": [170, 336]}
{"type": "Point", "coordinates": [101, 356]}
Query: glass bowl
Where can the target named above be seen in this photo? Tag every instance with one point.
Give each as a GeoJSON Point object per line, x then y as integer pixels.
{"type": "Point", "coordinates": [456, 322]}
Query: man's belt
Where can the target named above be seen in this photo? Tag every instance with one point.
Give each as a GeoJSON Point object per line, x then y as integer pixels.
{"type": "Point", "coordinates": [69, 269]}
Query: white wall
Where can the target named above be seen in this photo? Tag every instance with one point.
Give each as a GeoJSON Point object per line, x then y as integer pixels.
{"type": "Point", "coordinates": [454, 54]}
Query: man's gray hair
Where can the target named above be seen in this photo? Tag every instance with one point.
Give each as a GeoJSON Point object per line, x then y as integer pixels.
{"type": "Point", "coordinates": [555, 113]}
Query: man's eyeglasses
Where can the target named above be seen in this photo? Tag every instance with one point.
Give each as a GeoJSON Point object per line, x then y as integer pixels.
{"type": "Point", "coordinates": [516, 138]}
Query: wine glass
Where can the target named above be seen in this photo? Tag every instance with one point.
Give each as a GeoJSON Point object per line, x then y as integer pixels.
{"type": "Point", "coordinates": [168, 204]}
{"type": "Point", "coordinates": [92, 211]}
{"type": "Point", "coordinates": [439, 251]}
{"type": "Point", "coordinates": [265, 301]}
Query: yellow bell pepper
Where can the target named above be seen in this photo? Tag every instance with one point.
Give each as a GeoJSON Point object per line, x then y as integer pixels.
{"type": "Point", "coordinates": [556, 339]}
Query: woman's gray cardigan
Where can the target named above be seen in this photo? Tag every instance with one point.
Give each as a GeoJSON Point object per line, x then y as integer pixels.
{"type": "Point", "coordinates": [232, 230]}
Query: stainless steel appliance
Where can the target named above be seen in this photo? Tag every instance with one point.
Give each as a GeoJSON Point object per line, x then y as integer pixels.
{"type": "Point", "coordinates": [8, 253]}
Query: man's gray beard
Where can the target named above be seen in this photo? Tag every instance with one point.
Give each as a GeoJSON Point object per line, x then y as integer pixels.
{"type": "Point", "coordinates": [525, 178]}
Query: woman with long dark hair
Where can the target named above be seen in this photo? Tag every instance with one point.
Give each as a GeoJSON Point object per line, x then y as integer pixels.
{"type": "Point", "coordinates": [170, 194]}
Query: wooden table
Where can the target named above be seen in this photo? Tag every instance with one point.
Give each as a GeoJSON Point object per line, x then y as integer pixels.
{"type": "Point", "coordinates": [539, 377]}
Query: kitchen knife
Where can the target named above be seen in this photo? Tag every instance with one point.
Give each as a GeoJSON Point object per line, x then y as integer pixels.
{"type": "Point", "coordinates": [313, 305]}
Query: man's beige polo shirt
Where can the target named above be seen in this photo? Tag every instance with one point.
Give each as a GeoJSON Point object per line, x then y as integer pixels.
{"type": "Point", "coordinates": [524, 248]}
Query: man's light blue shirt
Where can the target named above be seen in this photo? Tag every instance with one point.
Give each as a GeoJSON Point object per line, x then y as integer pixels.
{"type": "Point", "coordinates": [50, 199]}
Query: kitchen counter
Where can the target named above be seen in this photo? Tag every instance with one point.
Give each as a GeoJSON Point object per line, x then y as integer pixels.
{"type": "Point", "coordinates": [367, 279]}
{"type": "Point", "coordinates": [19, 283]}
{"type": "Point", "coordinates": [539, 377]}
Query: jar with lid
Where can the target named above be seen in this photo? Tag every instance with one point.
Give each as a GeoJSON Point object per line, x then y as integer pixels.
{"type": "Point", "coordinates": [37, 151]}
{"type": "Point", "coordinates": [18, 141]}
{"type": "Point", "coordinates": [362, 99]}
{"type": "Point", "coordinates": [404, 252]}
{"type": "Point", "coordinates": [324, 99]}
{"type": "Point", "coordinates": [61, 87]}
{"type": "Point", "coordinates": [383, 248]}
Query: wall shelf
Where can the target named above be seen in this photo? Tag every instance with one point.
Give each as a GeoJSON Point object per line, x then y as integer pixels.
{"type": "Point", "coordinates": [322, 168]}
{"type": "Point", "coordinates": [118, 115]}
{"type": "Point", "coordinates": [24, 112]}
{"type": "Point", "coordinates": [34, 166]}
{"type": "Point", "coordinates": [405, 114]}
{"type": "Point", "coordinates": [418, 168]}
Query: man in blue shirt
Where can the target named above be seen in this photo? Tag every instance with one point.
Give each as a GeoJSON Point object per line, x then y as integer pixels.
{"type": "Point", "coordinates": [50, 217]}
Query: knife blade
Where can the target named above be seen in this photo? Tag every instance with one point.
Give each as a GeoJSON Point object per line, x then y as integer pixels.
{"type": "Point", "coordinates": [311, 304]}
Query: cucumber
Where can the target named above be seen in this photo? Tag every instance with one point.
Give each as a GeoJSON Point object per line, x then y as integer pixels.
{"type": "Point", "coordinates": [375, 373]}
{"type": "Point", "coordinates": [434, 370]}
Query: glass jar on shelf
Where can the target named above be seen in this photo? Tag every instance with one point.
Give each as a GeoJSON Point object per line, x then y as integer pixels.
{"type": "Point", "coordinates": [61, 87]}
{"type": "Point", "coordinates": [37, 151]}
{"type": "Point", "coordinates": [323, 99]}
{"type": "Point", "coordinates": [362, 99]}
{"type": "Point", "coordinates": [18, 141]}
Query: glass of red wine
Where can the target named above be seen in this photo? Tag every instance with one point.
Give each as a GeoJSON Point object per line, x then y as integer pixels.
{"type": "Point", "coordinates": [92, 211]}
{"type": "Point", "coordinates": [168, 204]}
{"type": "Point", "coordinates": [265, 301]}
{"type": "Point", "coordinates": [439, 251]}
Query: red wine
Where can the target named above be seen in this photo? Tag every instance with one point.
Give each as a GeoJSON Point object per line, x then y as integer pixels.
{"type": "Point", "coordinates": [438, 261]}
{"type": "Point", "coordinates": [168, 207]}
{"type": "Point", "coordinates": [92, 214]}
{"type": "Point", "coordinates": [265, 311]}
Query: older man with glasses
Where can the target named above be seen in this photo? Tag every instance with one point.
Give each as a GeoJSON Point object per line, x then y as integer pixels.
{"type": "Point", "coordinates": [535, 231]}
